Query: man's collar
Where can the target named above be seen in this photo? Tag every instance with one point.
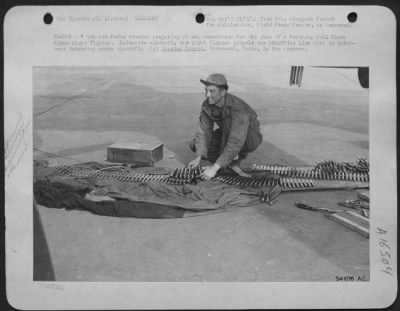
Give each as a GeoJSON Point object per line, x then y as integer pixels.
{"type": "Point", "coordinates": [223, 101]}
{"type": "Point", "coordinates": [228, 100]}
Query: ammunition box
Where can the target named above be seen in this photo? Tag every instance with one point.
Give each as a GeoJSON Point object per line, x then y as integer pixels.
{"type": "Point", "coordinates": [135, 153]}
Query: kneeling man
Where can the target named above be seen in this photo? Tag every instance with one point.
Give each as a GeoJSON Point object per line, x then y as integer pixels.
{"type": "Point", "coordinates": [228, 129]}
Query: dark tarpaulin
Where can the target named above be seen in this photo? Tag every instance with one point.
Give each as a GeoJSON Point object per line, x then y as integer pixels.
{"type": "Point", "coordinates": [126, 199]}
{"type": "Point", "coordinates": [203, 196]}
{"type": "Point", "coordinates": [60, 195]}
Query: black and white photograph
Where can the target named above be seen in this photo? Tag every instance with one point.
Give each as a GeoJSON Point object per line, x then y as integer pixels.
{"type": "Point", "coordinates": [185, 174]}
{"type": "Point", "coordinates": [200, 157]}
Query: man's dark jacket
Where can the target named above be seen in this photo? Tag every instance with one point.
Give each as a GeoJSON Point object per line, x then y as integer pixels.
{"type": "Point", "coordinates": [238, 123]}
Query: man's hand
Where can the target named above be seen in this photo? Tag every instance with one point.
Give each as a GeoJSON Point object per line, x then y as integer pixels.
{"type": "Point", "coordinates": [210, 171]}
{"type": "Point", "coordinates": [194, 163]}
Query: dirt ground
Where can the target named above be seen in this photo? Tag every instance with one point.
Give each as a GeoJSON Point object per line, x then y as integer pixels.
{"type": "Point", "coordinates": [78, 112]}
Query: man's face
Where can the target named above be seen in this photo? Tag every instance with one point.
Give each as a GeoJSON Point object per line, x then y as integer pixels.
{"type": "Point", "coordinates": [214, 94]}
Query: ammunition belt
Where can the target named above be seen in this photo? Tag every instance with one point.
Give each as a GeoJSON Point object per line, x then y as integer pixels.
{"type": "Point", "coordinates": [360, 166]}
{"type": "Point", "coordinates": [313, 173]}
{"type": "Point", "coordinates": [284, 182]}
{"type": "Point", "coordinates": [126, 176]}
{"type": "Point", "coordinates": [290, 177]}
{"type": "Point", "coordinates": [187, 173]}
